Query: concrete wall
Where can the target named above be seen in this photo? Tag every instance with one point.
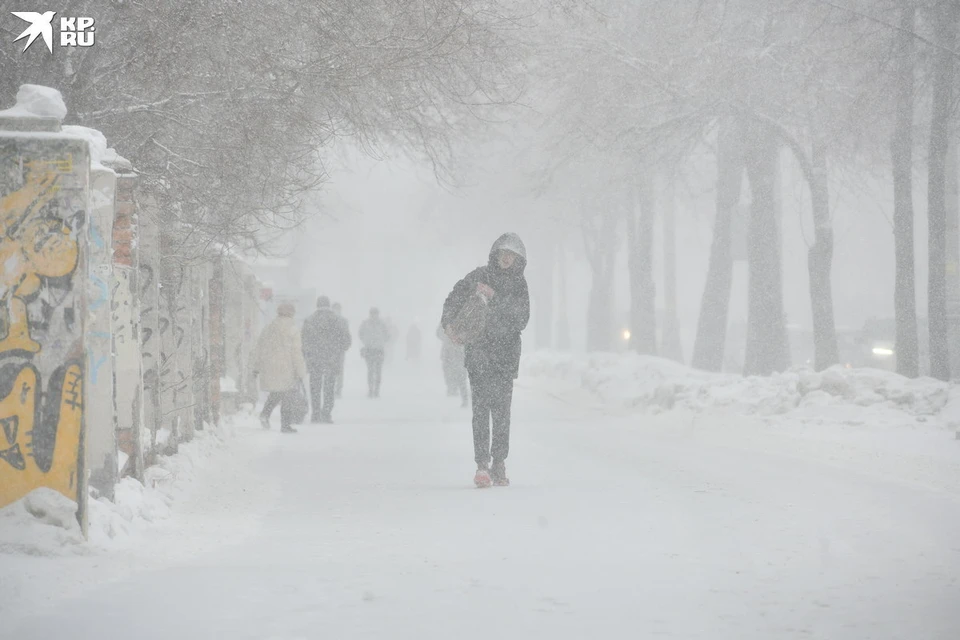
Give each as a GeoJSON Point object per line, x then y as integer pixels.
{"type": "Point", "coordinates": [128, 377]}
{"type": "Point", "coordinates": [112, 346]}
{"type": "Point", "coordinates": [101, 441]}
{"type": "Point", "coordinates": [44, 210]}
{"type": "Point", "coordinates": [149, 297]}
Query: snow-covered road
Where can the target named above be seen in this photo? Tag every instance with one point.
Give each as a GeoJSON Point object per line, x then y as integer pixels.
{"type": "Point", "coordinates": [615, 527]}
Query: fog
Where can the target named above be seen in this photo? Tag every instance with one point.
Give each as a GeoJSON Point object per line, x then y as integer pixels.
{"type": "Point", "coordinates": [686, 277]}
{"type": "Point", "coordinates": [387, 233]}
{"type": "Point", "coordinates": [381, 152]}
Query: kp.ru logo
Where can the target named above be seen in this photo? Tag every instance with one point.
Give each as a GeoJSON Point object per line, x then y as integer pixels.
{"type": "Point", "coordinates": [74, 32]}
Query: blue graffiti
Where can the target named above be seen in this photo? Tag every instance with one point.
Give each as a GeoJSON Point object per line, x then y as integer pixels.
{"type": "Point", "coordinates": [95, 364]}
{"type": "Point", "coordinates": [102, 290]}
{"type": "Point", "coordinates": [96, 237]}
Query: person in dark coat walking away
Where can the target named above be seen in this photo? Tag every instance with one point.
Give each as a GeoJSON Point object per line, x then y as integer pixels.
{"type": "Point", "coordinates": [343, 356]}
{"type": "Point", "coordinates": [277, 360]}
{"type": "Point", "coordinates": [325, 340]}
{"type": "Point", "coordinates": [493, 359]}
{"type": "Point", "coordinates": [374, 334]}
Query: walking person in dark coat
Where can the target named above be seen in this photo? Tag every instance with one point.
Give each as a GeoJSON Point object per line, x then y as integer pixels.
{"type": "Point", "coordinates": [325, 340]}
{"type": "Point", "coordinates": [375, 335]}
{"type": "Point", "coordinates": [493, 359]}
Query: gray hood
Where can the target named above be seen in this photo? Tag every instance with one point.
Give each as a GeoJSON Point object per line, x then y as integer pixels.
{"type": "Point", "coordinates": [510, 242]}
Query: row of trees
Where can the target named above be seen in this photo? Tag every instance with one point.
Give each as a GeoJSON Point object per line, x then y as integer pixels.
{"type": "Point", "coordinates": [229, 110]}
{"type": "Point", "coordinates": [848, 89]}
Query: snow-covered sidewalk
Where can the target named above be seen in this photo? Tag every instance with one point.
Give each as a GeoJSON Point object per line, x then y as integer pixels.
{"type": "Point", "coordinates": [191, 502]}
{"type": "Point", "coordinates": [620, 523]}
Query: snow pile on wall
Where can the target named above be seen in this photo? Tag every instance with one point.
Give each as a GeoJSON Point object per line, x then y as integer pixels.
{"type": "Point", "coordinates": [34, 100]}
{"type": "Point", "coordinates": [44, 522]}
{"type": "Point", "coordinates": [656, 384]}
{"type": "Point", "coordinates": [102, 156]}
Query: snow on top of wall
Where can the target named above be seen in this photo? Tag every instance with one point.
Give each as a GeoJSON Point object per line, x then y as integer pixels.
{"type": "Point", "coordinates": [38, 101]}
{"type": "Point", "coordinates": [102, 157]}
{"type": "Point", "coordinates": [34, 100]}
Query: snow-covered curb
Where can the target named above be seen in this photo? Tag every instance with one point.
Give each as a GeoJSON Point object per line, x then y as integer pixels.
{"type": "Point", "coordinates": [44, 522]}
{"type": "Point", "coordinates": [854, 396]}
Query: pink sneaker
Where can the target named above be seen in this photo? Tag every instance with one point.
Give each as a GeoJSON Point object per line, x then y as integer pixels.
{"type": "Point", "coordinates": [482, 479]}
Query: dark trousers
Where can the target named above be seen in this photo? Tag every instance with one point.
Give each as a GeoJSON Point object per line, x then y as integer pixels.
{"type": "Point", "coordinates": [282, 398]}
{"type": "Point", "coordinates": [323, 387]}
{"type": "Point", "coordinates": [492, 397]}
{"type": "Point", "coordinates": [374, 370]}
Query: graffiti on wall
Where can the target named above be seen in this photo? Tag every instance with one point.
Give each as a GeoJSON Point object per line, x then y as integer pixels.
{"type": "Point", "coordinates": [42, 211]}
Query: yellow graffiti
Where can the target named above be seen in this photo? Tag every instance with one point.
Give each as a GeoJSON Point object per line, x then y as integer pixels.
{"type": "Point", "coordinates": [60, 165]}
{"type": "Point", "coordinates": [40, 445]}
{"type": "Point", "coordinates": [31, 247]}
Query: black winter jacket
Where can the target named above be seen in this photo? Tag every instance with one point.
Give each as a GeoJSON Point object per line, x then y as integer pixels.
{"type": "Point", "coordinates": [497, 351]}
{"type": "Point", "coordinates": [325, 338]}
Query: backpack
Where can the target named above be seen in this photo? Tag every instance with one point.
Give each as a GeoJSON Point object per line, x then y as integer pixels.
{"type": "Point", "coordinates": [470, 321]}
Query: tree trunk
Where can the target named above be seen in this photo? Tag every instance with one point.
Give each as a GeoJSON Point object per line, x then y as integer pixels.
{"type": "Point", "coordinates": [563, 310]}
{"type": "Point", "coordinates": [953, 253]}
{"type": "Point", "coordinates": [766, 350]}
{"type": "Point", "coordinates": [820, 264]}
{"type": "Point", "coordinates": [901, 152]}
{"type": "Point", "coordinates": [643, 317]}
{"type": "Point", "coordinates": [945, 25]}
{"type": "Point", "coordinates": [714, 306]}
{"type": "Point", "coordinates": [670, 340]}
{"type": "Point", "coordinates": [600, 240]}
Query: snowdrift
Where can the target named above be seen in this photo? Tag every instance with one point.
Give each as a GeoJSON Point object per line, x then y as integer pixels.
{"type": "Point", "coordinates": [44, 522]}
{"type": "Point", "coordinates": [839, 394]}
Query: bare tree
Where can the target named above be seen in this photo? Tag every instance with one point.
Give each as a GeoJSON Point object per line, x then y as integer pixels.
{"type": "Point", "coordinates": [670, 340]}
{"type": "Point", "coordinates": [599, 230]}
{"type": "Point", "coordinates": [946, 22]}
{"type": "Point", "coordinates": [901, 153]}
{"type": "Point", "coordinates": [766, 333]}
{"type": "Point", "coordinates": [708, 350]}
{"type": "Point", "coordinates": [820, 262]}
{"type": "Point", "coordinates": [228, 125]}
{"type": "Point", "coordinates": [640, 218]}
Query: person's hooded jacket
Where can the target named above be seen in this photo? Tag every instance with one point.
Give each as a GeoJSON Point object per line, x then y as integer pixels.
{"type": "Point", "coordinates": [498, 349]}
